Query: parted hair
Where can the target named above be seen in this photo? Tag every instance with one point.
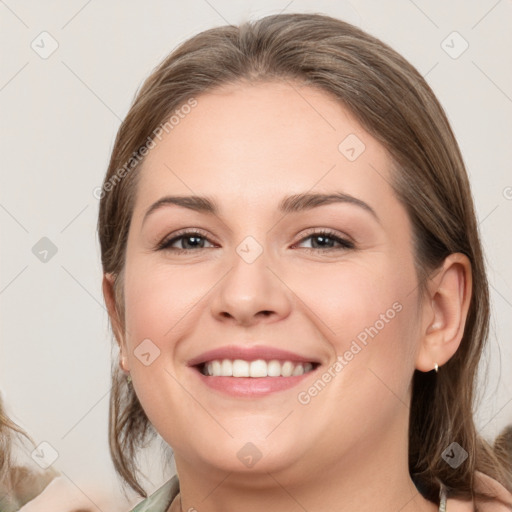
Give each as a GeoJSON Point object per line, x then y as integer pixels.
{"type": "Point", "coordinates": [394, 103]}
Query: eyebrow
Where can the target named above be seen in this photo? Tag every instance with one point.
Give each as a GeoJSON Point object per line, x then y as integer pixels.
{"type": "Point", "coordinates": [291, 204]}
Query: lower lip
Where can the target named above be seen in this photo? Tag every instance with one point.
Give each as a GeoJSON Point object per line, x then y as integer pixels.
{"type": "Point", "coordinates": [251, 386]}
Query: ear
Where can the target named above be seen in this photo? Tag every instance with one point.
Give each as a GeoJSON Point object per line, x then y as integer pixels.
{"type": "Point", "coordinates": [445, 312]}
{"type": "Point", "coordinates": [115, 320]}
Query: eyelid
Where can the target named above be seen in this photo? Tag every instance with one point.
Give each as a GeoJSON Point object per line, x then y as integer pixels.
{"type": "Point", "coordinates": [326, 231]}
{"type": "Point", "coordinates": [181, 233]}
{"type": "Point", "coordinates": [345, 242]}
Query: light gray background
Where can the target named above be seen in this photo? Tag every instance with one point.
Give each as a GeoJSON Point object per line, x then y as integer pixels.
{"type": "Point", "coordinates": [59, 117]}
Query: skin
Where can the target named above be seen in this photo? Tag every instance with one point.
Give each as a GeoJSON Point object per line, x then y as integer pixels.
{"type": "Point", "coordinates": [247, 147]}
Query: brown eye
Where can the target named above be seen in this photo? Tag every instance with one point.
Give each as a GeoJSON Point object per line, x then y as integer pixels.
{"type": "Point", "coordinates": [188, 241]}
{"type": "Point", "coordinates": [327, 240]}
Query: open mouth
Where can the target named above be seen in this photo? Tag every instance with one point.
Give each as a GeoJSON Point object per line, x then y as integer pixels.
{"type": "Point", "coordinates": [258, 368]}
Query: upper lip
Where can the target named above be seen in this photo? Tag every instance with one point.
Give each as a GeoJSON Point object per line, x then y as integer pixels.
{"type": "Point", "coordinates": [250, 353]}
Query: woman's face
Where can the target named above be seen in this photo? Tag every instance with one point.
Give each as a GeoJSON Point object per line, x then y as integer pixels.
{"type": "Point", "coordinates": [324, 285]}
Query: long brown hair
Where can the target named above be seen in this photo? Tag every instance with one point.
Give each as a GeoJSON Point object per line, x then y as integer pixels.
{"type": "Point", "coordinates": [18, 483]}
{"type": "Point", "coordinates": [394, 104]}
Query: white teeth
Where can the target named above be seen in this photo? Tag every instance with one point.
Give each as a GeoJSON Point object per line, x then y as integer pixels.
{"type": "Point", "coordinates": [215, 367]}
{"type": "Point", "coordinates": [287, 369]}
{"type": "Point", "coordinates": [298, 370]}
{"type": "Point", "coordinates": [257, 368]}
{"type": "Point", "coordinates": [240, 368]}
{"type": "Point", "coordinates": [273, 368]}
{"type": "Point", "coordinates": [227, 368]}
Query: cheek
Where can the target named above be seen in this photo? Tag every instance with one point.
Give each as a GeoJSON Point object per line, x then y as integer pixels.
{"type": "Point", "coordinates": [367, 313]}
{"type": "Point", "coordinates": [354, 298]}
{"type": "Point", "coordinates": [157, 298]}
{"type": "Point", "coordinates": [157, 301]}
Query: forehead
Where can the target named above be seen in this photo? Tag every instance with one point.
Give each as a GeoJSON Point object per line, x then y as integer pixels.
{"type": "Point", "coordinates": [247, 142]}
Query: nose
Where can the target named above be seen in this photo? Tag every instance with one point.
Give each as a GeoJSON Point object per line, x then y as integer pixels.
{"type": "Point", "coordinates": [251, 293]}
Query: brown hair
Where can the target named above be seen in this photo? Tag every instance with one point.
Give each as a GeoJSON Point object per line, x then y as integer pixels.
{"type": "Point", "coordinates": [18, 484]}
{"type": "Point", "coordinates": [394, 104]}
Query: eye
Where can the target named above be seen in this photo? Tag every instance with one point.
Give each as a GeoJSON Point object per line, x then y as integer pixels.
{"type": "Point", "coordinates": [189, 241]}
{"type": "Point", "coordinates": [322, 240]}
{"type": "Point", "coordinates": [325, 240]}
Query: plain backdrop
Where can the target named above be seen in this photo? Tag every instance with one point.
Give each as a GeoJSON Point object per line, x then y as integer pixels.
{"type": "Point", "coordinates": [59, 116]}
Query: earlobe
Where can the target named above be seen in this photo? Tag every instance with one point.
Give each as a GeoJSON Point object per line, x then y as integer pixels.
{"type": "Point", "coordinates": [445, 312]}
{"type": "Point", "coordinates": [122, 363]}
{"type": "Point", "coordinates": [115, 320]}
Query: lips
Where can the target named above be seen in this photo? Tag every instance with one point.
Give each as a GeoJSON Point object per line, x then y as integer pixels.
{"type": "Point", "coordinates": [253, 353]}
{"type": "Point", "coordinates": [252, 371]}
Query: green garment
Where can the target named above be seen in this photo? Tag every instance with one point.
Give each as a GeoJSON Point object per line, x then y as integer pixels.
{"type": "Point", "coordinates": [161, 499]}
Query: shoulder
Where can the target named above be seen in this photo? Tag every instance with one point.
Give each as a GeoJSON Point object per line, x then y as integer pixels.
{"type": "Point", "coordinates": [160, 500]}
{"type": "Point", "coordinates": [486, 484]}
{"type": "Point", "coordinates": [58, 495]}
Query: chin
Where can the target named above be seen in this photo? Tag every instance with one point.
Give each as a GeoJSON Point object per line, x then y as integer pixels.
{"type": "Point", "coordinates": [243, 455]}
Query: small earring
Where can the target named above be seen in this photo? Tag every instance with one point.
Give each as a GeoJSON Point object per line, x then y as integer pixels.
{"type": "Point", "coordinates": [129, 379]}
{"type": "Point", "coordinates": [436, 367]}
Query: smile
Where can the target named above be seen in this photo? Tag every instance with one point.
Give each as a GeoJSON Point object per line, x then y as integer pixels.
{"type": "Point", "coordinates": [252, 371]}
{"type": "Point", "coordinates": [258, 368]}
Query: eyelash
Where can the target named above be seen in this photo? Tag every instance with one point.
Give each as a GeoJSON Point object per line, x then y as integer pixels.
{"type": "Point", "coordinates": [345, 244]}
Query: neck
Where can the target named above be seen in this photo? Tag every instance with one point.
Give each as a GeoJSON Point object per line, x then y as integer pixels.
{"type": "Point", "coordinates": [372, 475]}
